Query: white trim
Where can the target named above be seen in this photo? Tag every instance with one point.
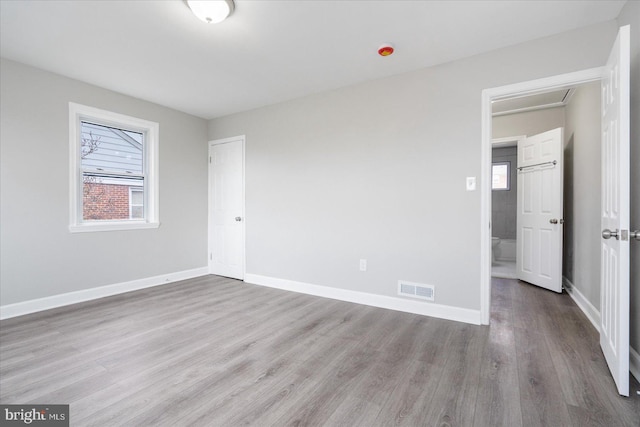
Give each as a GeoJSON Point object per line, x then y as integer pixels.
{"type": "Point", "coordinates": [54, 301]}
{"type": "Point", "coordinates": [151, 168]}
{"type": "Point", "coordinates": [526, 109]}
{"type": "Point", "coordinates": [118, 181]}
{"type": "Point", "coordinates": [125, 224]}
{"type": "Point", "coordinates": [382, 301]}
{"type": "Point", "coordinates": [509, 141]}
{"type": "Point", "coordinates": [226, 140]}
{"type": "Point", "coordinates": [485, 209]}
{"type": "Point", "coordinates": [546, 84]}
{"type": "Point", "coordinates": [592, 313]}
{"type": "Point", "coordinates": [213, 142]}
{"type": "Point", "coordinates": [565, 101]}
{"type": "Point", "coordinates": [634, 363]}
{"type": "Point", "coordinates": [518, 89]}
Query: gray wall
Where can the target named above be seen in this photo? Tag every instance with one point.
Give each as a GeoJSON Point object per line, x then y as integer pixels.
{"type": "Point", "coordinates": [527, 123]}
{"type": "Point", "coordinates": [630, 14]}
{"type": "Point", "coordinates": [377, 171]}
{"type": "Point", "coordinates": [504, 202]}
{"type": "Point", "coordinates": [582, 158]}
{"type": "Point", "coordinates": [39, 257]}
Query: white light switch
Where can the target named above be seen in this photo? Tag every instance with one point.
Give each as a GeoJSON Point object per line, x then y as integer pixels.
{"type": "Point", "coordinates": [363, 265]}
{"type": "Point", "coordinates": [471, 183]}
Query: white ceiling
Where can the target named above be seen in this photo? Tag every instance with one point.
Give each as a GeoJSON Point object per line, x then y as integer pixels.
{"type": "Point", "coordinates": [268, 51]}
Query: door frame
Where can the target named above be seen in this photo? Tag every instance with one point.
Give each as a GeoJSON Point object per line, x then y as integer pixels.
{"type": "Point", "coordinates": [531, 87]}
{"type": "Point", "coordinates": [210, 145]}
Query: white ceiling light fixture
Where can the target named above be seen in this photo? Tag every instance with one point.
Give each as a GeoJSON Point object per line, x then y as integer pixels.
{"type": "Point", "coordinates": [211, 11]}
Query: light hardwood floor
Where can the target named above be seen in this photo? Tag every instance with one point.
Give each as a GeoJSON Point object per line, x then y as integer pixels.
{"type": "Point", "coordinates": [213, 351]}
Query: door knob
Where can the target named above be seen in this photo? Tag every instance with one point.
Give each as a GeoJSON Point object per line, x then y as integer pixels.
{"type": "Point", "coordinates": [634, 235]}
{"type": "Point", "coordinates": [607, 234]}
{"type": "Point", "coordinates": [238, 218]}
{"type": "Point", "coordinates": [553, 221]}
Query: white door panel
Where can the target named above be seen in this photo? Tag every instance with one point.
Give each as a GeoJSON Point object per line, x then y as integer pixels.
{"type": "Point", "coordinates": [226, 208]}
{"type": "Point", "coordinates": [540, 166]}
{"type": "Point", "coordinates": [614, 280]}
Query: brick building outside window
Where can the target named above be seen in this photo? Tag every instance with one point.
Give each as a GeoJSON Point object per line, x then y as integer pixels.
{"type": "Point", "coordinates": [112, 163]}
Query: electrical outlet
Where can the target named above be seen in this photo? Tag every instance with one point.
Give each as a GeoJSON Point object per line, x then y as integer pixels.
{"type": "Point", "coordinates": [363, 265]}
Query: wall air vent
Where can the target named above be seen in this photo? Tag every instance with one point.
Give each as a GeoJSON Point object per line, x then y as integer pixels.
{"type": "Point", "coordinates": [416, 290]}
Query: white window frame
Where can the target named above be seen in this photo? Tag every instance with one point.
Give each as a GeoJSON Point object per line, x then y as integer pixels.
{"type": "Point", "coordinates": [133, 188]}
{"type": "Point", "coordinates": [78, 113]}
{"type": "Point", "coordinates": [508, 165]}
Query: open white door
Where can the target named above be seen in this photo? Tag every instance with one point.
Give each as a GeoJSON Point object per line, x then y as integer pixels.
{"type": "Point", "coordinates": [539, 204]}
{"type": "Point", "coordinates": [614, 252]}
{"type": "Point", "coordinates": [226, 207]}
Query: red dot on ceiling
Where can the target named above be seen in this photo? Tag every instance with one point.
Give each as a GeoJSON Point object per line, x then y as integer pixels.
{"type": "Point", "coordinates": [385, 50]}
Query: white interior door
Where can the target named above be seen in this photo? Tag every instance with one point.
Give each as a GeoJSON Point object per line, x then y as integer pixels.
{"type": "Point", "coordinates": [539, 204]}
{"type": "Point", "coordinates": [614, 252]}
{"type": "Point", "coordinates": [226, 207]}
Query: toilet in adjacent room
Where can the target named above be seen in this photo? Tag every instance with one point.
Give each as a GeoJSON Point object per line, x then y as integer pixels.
{"type": "Point", "coordinates": [495, 241]}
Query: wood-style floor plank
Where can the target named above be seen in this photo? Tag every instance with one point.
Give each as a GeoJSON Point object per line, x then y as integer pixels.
{"type": "Point", "coordinates": [215, 351]}
{"type": "Point", "coordinates": [454, 401]}
{"type": "Point", "coordinates": [413, 396]}
{"type": "Point", "coordinates": [498, 402]}
{"type": "Point", "coordinates": [541, 398]}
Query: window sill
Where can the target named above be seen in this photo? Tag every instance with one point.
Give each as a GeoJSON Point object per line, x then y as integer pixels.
{"type": "Point", "coordinates": [112, 226]}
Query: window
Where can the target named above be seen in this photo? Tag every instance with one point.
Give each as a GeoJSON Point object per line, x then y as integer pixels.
{"type": "Point", "coordinates": [500, 176]}
{"type": "Point", "coordinates": [136, 203]}
{"type": "Point", "coordinates": [113, 171]}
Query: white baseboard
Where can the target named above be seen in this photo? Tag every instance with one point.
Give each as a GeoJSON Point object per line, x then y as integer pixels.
{"type": "Point", "coordinates": [54, 301]}
{"type": "Point", "coordinates": [392, 303]}
{"type": "Point", "coordinates": [594, 316]}
{"type": "Point", "coordinates": [634, 363]}
{"type": "Point", "coordinates": [592, 313]}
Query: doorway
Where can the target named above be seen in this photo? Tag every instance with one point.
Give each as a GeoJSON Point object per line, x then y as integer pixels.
{"type": "Point", "coordinates": [504, 190]}
{"type": "Point", "coordinates": [489, 96]}
{"type": "Point", "coordinates": [577, 112]}
{"type": "Point", "coordinates": [614, 212]}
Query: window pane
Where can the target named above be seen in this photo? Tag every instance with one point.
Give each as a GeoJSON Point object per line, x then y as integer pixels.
{"type": "Point", "coordinates": [107, 197]}
{"type": "Point", "coordinates": [111, 149]}
{"type": "Point", "coordinates": [137, 212]}
{"type": "Point", "coordinates": [500, 180]}
{"type": "Point", "coordinates": [137, 196]}
{"type": "Point", "coordinates": [136, 203]}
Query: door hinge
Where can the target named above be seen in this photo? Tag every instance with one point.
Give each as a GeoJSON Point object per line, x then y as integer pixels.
{"type": "Point", "coordinates": [209, 159]}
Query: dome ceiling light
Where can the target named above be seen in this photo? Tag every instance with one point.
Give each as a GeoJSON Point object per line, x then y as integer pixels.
{"type": "Point", "coordinates": [211, 11]}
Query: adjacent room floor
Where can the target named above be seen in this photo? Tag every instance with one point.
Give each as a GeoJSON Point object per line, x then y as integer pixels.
{"type": "Point", "coordinates": [214, 351]}
{"type": "Point", "coordinates": [504, 269]}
